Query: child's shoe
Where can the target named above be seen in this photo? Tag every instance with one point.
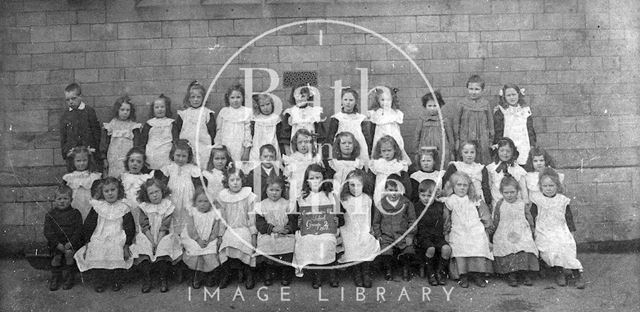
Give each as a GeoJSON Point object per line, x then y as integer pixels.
{"type": "Point", "coordinates": [68, 276]}
{"type": "Point", "coordinates": [54, 281]}
{"type": "Point", "coordinates": [366, 275]}
{"type": "Point", "coordinates": [196, 283]}
{"type": "Point", "coordinates": [210, 280]}
{"type": "Point", "coordinates": [356, 270]}
{"type": "Point", "coordinates": [116, 286]}
{"type": "Point", "coordinates": [561, 279]}
{"type": "Point", "coordinates": [388, 273]}
{"type": "Point", "coordinates": [464, 281]}
{"type": "Point", "coordinates": [432, 276]}
{"type": "Point", "coordinates": [480, 281]}
{"type": "Point", "coordinates": [333, 279]}
{"type": "Point", "coordinates": [422, 271]}
{"type": "Point", "coordinates": [286, 276]}
{"type": "Point", "coordinates": [441, 276]}
{"type": "Point", "coordinates": [164, 287]}
{"type": "Point", "coordinates": [579, 282]}
{"type": "Point", "coordinates": [249, 282]}
{"type": "Point", "coordinates": [513, 281]}
{"type": "Point", "coordinates": [406, 274]}
{"type": "Point", "coordinates": [527, 279]}
{"type": "Point", "coordinates": [268, 277]}
{"type": "Point", "coordinates": [315, 280]}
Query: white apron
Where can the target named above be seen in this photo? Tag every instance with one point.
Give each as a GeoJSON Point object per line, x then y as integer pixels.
{"type": "Point", "coordinates": [495, 178]}
{"type": "Point", "coordinates": [105, 249]}
{"type": "Point", "coordinates": [294, 168]}
{"type": "Point", "coordinates": [191, 122]}
{"type": "Point", "coordinates": [314, 249]}
{"type": "Point", "coordinates": [383, 169]}
{"type": "Point", "coordinates": [159, 143]}
{"type": "Point", "coordinates": [275, 213]}
{"type": "Point", "coordinates": [342, 169]}
{"type": "Point", "coordinates": [467, 237]}
{"type": "Point", "coordinates": [238, 218]}
{"type": "Point", "coordinates": [132, 183]}
{"type": "Point", "coordinates": [121, 133]}
{"type": "Point", "coordinates": [353, 123]}
{"type": "Point", "coordinates": [515, 128]}
{"type": "Point", "coordinates": [474, 171]}
{"type": "Point", "coordinates": [182, 189]}
{"type": "Point", "coordinates": [80, 182]}
{"type": "Point", "coordinates": [388, 123]}
{"type": "Point", "coordinates": [169, 245]}
{"type": "Point", "coordinates": [264, 132]}
{"type": "Point", "coordinates": [203, 223]}
{"type": "Point", "coordinates": [234, 130]}
{"type": "Point", "coordinates": [303, 118]}
{"type": "Point", "coordinates": [359, 244]}
{"type": "Point", "coordinates": [532, 178]}
{"type": "Point", "coordinates": [553, 238]}
{"type": "Point", "coordinates": [513, 233]}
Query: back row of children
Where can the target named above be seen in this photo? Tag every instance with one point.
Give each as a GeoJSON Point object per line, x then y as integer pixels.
{"type": "Point", "coordinates": [389, 158]}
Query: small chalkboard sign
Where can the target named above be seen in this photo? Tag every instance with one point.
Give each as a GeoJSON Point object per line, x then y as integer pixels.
{"type": "Point", "coordinates": [318, 221]}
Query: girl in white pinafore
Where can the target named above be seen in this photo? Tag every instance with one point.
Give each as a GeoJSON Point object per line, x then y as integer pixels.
{"type": "Point", "coordinates": [467, 228]}
{"type": "Point", "coordinates": [113, 230]}
{"type": "Point", "coordinates": [264, 124]}
{"type": "Point", "coordinates": [81, 179]}
{"type": "Point", "coordinates": [538, 160]}
{"type": "Point", "coordinates": [506, 162]}
{"type": "Point", "coordinates": [553, 235]}
{"type": "Point", "coordinates": [303, 154]}
{"type": "Point", "coordinates": [512, 119]}
{"type": "Point", "coordinates": [157, 135]}
{"type": "Point", "coordinates": [196, 124]}
{"type": "Point", "coordinates": [383, 165]}
{"type": "Point", "coordinates": [350, 120]}
{"type": "Point", "coordinates": [133, 178]}
{"type": "Point", "coordinates": [234, 124]}
{"type": "Point", "coordinates": [200, 240]}
{"type": "Point", "coordinates": [359, 243]}
{"type": "Point", "coordinates": [476, 171]}
{"type": "Point", "coordinates": [346, 151]}
{"type": "Point", "coordinates": [181, 172]}
{"type": "Point", "coordinates": [514, 250]}
{"type": "Point", "coordinates": [122, 134]}
{"type": "Point", "coordinates": [387, 118]}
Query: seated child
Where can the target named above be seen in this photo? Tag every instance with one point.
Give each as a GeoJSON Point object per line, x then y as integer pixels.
{"type": "Point", "coordinates": [63, 230]}
{"type": "Point", "coordinates": [391, 220]}
{"type": "Point", "coordinates": [275, 232]}
{"type": "Point", "coordinates": [109, 230]}
{"type": "Point", "coordinates": [430, 236]}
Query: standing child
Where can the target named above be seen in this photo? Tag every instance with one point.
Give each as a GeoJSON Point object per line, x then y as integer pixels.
{"type": "Point", "coordinates": [63, 230]}
{"type": "Point", "coordinates": [391, 221]}
{"type": "Point", "coordinates": [122, 133]}
{"type": "Point", "coordinates": [200, 239]}
{"type": "Point", "coordinates": [387, 160]}
{"type": "Point", "coordinates": [219, 162]}
{"type": "Point", "coordinates": [319, 249]}
{"type": "Point", "coordinates": [303, 115]}
{"type": "Point", "coordinates": [387, 118]}
{"type": "Point", "coordinates": [234, 124]}
{"type": "Point", "coordinates": [84, 173]}
{"type": "Point", "coordinates": [196, 123]}
{"type": "Point", "coordinates": [429, 131]}
{"type": "Point", "coordinates": [109, 231]}
{"type": "Point", "coordinates": [268, 168]}
{"type": "Point", "coordinates": [265, 125]}
{"type": "Point", "coordinates": [276, 228]}
{"type": "Point", "coordinates": [477, 172]}
{"type": "Point", "coordinates": [156, 245]}
{"type": "Point", "coordinates": [79, 125]}
{"type": "Point", "coordinates": [512, 119]}
{"type": "Point", "coordinates": [430, 235]}
{"type": "Point", "coordinates": [505, 163]}
{"type": "Point", "coordinates": [427, 160]}
{"type": "Point", "coordinates": [473, 120]}
{"type": "Point", "coordinates": [346, 151]}
{"type": "Point", "coordinates": [183, 179]}
{"type": "Point", "coordinates": [351, 121]}
{"type": "Point", "coordinates": [304, 153]}
{"type": "Point", "coordinates": [359, 244]}
{"type": "Point", "coordinates": [554, 227]}
{"type": "Point", "coordinates": [135, 175]}
{"type": "Point", "coordinates": [157, 136]}
{"type": "Point", "coordinates": [537, 161]}
{"type": "Point", "coordinates": [238, 229]}
{"type": "Point", "coordinates": [467, 230]}
{"type": "Point", "coordinates": [513, 246]}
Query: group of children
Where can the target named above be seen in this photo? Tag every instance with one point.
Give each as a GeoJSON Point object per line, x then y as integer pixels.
{"type": "Point", "coordinates": [175, 195]}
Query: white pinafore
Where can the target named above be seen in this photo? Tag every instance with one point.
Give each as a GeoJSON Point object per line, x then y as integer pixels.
{"type": "Point", "coordinates": [353, 123]}
{"type": "Point", "coordinates": [515, 128]}
{"type": "Point", "coordinates": [193, 120]}
{"type": "Point", "coordinates": [359, 244]}
{"type": "Point", "coordinates": [160, 142]}
{"type": "Point", "coordinates": [468, 237]}
{"type": "Point", "coordinates": [513, 233]}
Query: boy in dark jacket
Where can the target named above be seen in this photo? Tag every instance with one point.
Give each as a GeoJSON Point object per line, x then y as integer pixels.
{"type": "Point", "coordinates": [430, 237]}
{"type": "Point", "coordinates": [63, 230]}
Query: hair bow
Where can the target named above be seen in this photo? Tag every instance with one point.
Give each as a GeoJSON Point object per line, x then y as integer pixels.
{"type": "Point", "coordinates": [522, 91]}
{"type": "Point", "coordinates": [501, 93]}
